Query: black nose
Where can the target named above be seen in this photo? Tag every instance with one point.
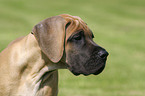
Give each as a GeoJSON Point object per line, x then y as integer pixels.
{"type": "Point", "coordinates": [103, 54]}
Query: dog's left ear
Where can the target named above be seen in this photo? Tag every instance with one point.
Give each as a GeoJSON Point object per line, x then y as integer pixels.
{"type": "Point", "coordinates": [50, 34]}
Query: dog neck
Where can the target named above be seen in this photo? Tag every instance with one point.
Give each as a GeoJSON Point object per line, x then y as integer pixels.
{"type": "Point", "coordinates": [29, 71]}
{"type": "Point", "coordinates": [41, 74]}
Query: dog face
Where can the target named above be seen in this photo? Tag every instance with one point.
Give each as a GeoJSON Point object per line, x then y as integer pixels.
{"type": "Point", "coordinates": [67, 38]}
{"type": "Point", "coordinates": [83, 55]}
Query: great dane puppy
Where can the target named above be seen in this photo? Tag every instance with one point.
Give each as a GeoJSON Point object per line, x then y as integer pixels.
{"type": "Point", "coordinates": [28, 66]}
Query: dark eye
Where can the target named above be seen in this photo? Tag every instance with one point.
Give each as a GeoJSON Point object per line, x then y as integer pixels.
{"type": "Point", "coordinates": [78, 36]}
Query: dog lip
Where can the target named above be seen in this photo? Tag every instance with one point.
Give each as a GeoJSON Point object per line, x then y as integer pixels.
{"type": "Point", "coordinates": [86, 73]}
{"type": "Point", "coordinates": [76, 74]}
{"type": "Point", "coordinates": [100, 70]}
{"type": "Point", "coordinates": [95, 71]}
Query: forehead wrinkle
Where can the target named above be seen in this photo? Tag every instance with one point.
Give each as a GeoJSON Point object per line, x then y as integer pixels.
{"type": "Point", "coordinates": [76, 24]}
{"type": "Point", "coordinates": [82, 24]}
{"type": "Point", "coordinates": [86, 29]}
{"type": "Point", "coordinates": [76, 19]}
{"type": "Point", "coordinates": [73, 26]}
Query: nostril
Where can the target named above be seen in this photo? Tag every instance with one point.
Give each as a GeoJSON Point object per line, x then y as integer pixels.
{"type": "Point", "coordinates": [103, 54]}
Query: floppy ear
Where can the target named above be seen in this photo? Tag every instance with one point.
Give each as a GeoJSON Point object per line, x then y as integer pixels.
{"type": "Point", "coordinates": [50, 34]}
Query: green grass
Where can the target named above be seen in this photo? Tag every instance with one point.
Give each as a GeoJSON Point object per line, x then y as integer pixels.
{"type": "Point", "coordinates": [118, 25]}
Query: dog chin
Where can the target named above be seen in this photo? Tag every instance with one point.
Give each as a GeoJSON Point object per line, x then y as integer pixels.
{"type": "Point", "coordinates": [86, 73]}
{"type": "Point", "coordinates": [99, 70]}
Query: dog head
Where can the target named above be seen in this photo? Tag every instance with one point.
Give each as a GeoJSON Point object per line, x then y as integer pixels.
{"type": "Point", "coordinates": [69, 36]}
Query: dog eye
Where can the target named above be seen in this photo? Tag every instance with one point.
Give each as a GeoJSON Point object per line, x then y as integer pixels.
{"type": "Point", "coordinates": [78, 36]}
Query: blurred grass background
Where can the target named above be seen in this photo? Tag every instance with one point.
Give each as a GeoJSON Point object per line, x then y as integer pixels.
{"type": "Point", "coordinates": [118, 26]}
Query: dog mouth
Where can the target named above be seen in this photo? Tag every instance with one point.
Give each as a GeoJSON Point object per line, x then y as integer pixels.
{"type": "Point", "coordinates": [85, 73]}
{"type": "Point", "coordinates": [89, 68]}
{"type": "Point", "coordinates": [94, 65]}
